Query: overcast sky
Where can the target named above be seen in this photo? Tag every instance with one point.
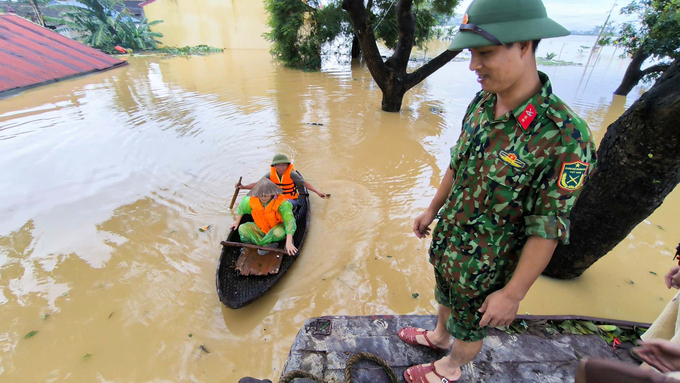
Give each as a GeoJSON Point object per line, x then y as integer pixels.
{"type": "Point", "coordinates": [575, 14]}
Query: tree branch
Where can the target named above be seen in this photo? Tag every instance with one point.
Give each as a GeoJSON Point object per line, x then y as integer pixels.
{"type": "Point", "coordinates": [406, 25]}
{"type": "Point", "coordinates": [362, 29]}
{"type": "Point", "coordinates": [421, 73]}
{"type": "Point", "coordinates": [655, 68]}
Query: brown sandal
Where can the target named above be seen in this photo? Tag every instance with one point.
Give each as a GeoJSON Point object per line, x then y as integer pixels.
{"type": "Point", "coordinates": [409, 336]}
{"type": "Point", "coordinates": [418, 374]}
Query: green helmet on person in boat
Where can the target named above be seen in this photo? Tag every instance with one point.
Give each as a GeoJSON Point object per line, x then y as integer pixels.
{"type": "Point", "coordinates": [280, 159]}
{"type": "Point", "coordinates": [501, 22]}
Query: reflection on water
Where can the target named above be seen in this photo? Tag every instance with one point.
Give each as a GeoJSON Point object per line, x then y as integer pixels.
{"type": "Point", "coordinates": [107, 178]}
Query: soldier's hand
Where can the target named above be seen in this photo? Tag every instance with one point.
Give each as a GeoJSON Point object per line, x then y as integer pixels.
{"type": "Point", "coordinates": [673, 278]}
{"type": "Point", "coordinates": [499, 309]}
{"type": "Point", "coordinates": [661, 354]}
{"type": "Point", "coordinates": [421, 225]}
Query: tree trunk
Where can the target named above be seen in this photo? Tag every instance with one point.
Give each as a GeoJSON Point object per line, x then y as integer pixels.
{"type": "Point", "coordinates": [633, 74]}
{"type": "Point", "coordinates": [38, 15]}
{"type": "Point", "coordinates": [356, 48]}
{"type": "Point", "coordinates": [392, 98]}
{"type": "Point", "coordinates": [391, 75]}
{"type": "Point", "coordinates": [638, 166]}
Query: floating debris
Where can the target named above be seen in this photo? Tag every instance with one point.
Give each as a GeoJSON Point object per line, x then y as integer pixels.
{"type": "Point", "coordinates": [30, 334]}
{"type": "Point", "coordinates": [653, 273]}
{"type": "Point", "coordinates": [204, 349]}
{"type": "Point", "coordinates": [205, 228]}
{"type": "Point", "coordinates": [87, 356]}
{"type": "Point", "coordinates": [315, 123]}
{"type": "Point", "coordinates": [110, 315]}
{"type": "Point", "coordinates": [45, 316]}
{"type": "Point", "coordinates": [190, 335]}
{"type": "Point", "coordinates": [415, 295]}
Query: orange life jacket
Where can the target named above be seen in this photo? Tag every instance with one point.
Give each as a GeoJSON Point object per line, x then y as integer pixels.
{"type": "Point", "coordinates": [286, 183]}
{"type": "Point", "coordinates": [266, 217]}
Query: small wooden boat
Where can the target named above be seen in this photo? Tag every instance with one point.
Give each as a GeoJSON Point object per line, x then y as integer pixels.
{"type": "Point", "coordinates": [236, 290]}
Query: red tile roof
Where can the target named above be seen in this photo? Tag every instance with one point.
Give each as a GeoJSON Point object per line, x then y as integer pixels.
{"type": "Point", "coordinates": [31, 55]}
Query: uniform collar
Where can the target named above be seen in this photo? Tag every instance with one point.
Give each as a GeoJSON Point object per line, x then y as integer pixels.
{"type": "Point", "coordinates": [529, 111]}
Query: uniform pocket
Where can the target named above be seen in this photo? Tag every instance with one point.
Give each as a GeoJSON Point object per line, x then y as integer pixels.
{"type": "Point", "coordinates": [466, 272]}
{"type": "Point", "coordinates": [506, 187]}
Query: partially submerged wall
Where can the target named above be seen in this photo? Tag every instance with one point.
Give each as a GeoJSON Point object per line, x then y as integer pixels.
{"type": "Point", "coordinates": [231, 24]}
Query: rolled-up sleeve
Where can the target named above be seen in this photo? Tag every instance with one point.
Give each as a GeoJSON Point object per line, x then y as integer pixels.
{"type": "Point", "coordinates": [286, 211]}
{"type": "Point", "coordinates": [244, 206]}
{"type": "Point", "coordinates": [561, 183]}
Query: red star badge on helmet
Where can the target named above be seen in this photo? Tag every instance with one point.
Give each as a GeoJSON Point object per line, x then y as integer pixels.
{"type": "Point", "coordinates": [466, 19]}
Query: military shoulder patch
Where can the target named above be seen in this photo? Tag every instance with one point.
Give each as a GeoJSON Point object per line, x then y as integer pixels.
{"type": "Point", "coordinates": [572, 176]}
{"type": "Point", "coordinates": [512, 159]}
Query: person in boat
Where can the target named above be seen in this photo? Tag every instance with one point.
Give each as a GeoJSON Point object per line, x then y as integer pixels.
{"type": "Point", "coordinates": [518, 167]}
{"type": "Point", "coordinates": [272, 215]}
{"type": "Point", "coordinates": [659, 349]}
{"type": "Point", "coordinates": [283, 173]}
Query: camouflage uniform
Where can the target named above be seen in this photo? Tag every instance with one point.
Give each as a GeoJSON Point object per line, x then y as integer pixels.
{"type": "Point", "coordinates": [514, 177]}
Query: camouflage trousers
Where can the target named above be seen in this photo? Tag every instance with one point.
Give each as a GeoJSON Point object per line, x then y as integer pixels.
{"type": "Point", "coordinates": [465, 276]}
{"type": "Point", "coordinates": [250, 233]}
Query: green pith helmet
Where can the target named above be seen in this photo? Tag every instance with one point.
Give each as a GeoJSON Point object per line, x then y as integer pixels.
{"type": "Point", "coordinates": [280, 159]}
{"type": "Point", "coordinates": [265, 187]}
{"type": "Point", "coordinates": [499, 22]}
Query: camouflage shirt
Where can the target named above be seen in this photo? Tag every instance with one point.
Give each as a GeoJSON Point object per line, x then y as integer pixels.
{"type": "Point", "coordinates": [514, 177]}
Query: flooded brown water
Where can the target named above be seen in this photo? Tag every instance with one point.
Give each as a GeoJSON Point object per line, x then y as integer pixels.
{"type": "Point", "coordinates": [106, 179]}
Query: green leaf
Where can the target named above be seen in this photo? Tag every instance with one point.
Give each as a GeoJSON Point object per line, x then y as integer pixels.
{"type": "Point", "coordinates": [45, 316]}
{"type": "Point", "coordinates": [650, 155]}
{"type": "Point", "coordinates": [415, 295]}
{"type": "Point", "coordinates": [589, 325]}
{"type": "Point", "coordinates": [30, 334]}
{"type": "Point", "coordinates": [607, 327]}
{"type": "Point", "coordinates": [653, 273]}
{"type": "Point", "coordinates": [87, 356]}
{"type": "Point", "coordinates": [581, 329]}
{"type": "Point", "coordinates": [190, 335]}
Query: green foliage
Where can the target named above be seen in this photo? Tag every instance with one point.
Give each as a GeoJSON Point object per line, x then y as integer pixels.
{"type": "Point", "coordinates": [427, 14]}
{"type": "Point", "coordinates": [656, 32]}
{"type": "Point", "coordinates": [198, 50]}
{"type": "Point", "coordinates": [299, 28]}
{"type": "Point", "coordinates": [575, 327]}
{"type": "Point", "coordinates": [295, 33]}
{"type": "Point", "coordinates": [550, 55]}
{"type": "Point", "coordinates": [102, 27]}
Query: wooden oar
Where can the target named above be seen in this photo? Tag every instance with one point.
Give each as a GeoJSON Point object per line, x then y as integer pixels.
{"type": "Point", "coordinates": [241, 244]}
{"type": "Point", "coordinates": [235, 194]}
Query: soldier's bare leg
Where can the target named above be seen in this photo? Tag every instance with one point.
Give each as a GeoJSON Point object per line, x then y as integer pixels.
{"type": "Point", "coordinates": [439, 337]}
{"type": "Point", "coordinates": [449, 366]}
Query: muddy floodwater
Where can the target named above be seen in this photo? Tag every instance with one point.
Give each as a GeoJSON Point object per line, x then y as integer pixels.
{"type": "Point", "coordinates": [106, 179]}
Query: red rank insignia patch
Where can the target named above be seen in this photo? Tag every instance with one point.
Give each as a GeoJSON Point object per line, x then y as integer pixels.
{"type": "Point", "coordinates": [527, 116]}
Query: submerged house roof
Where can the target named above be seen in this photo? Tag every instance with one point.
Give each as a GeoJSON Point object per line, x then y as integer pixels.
{"type": "Point", "coordinates": [31, 55]}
